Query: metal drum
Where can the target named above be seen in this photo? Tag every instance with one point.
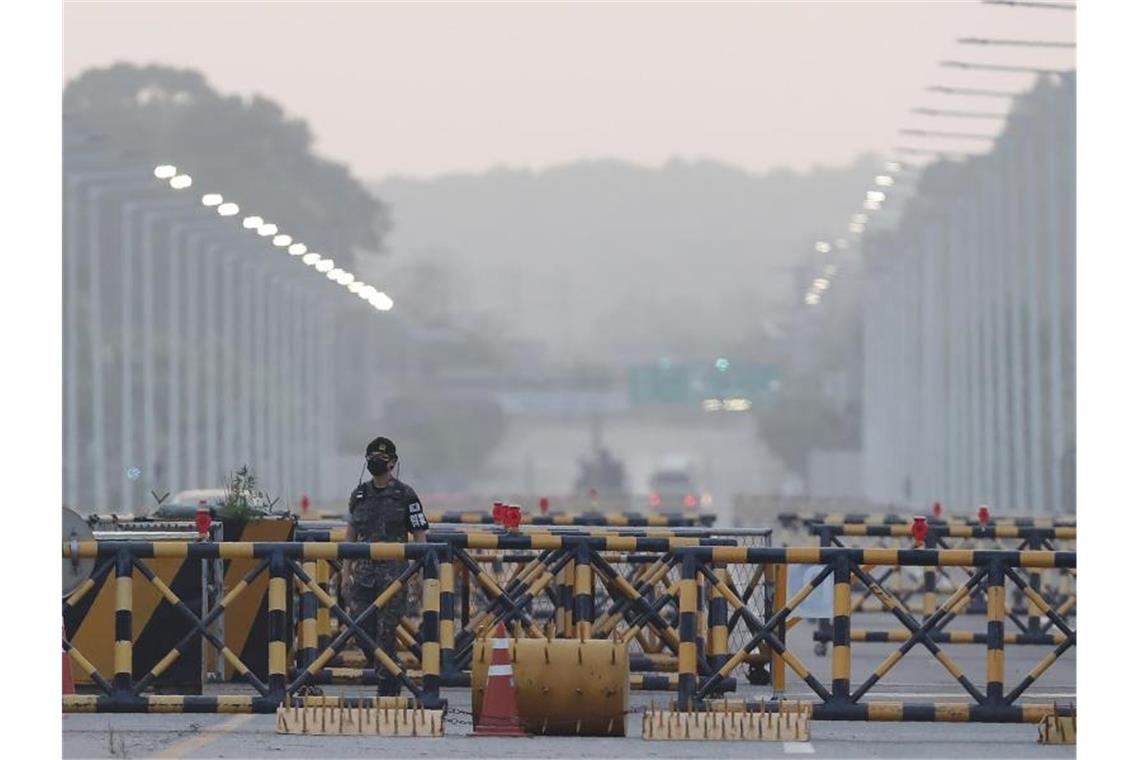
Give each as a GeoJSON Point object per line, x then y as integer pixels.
{"type": "Point", "coordinates": [565, 686]}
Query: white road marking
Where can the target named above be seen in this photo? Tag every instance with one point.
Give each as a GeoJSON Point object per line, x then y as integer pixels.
{"type": "Point", "coordinates": [799, 748]}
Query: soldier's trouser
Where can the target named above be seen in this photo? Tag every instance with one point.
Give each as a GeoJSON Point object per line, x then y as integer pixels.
{"type": "Point", "coordinates": [382, 626]}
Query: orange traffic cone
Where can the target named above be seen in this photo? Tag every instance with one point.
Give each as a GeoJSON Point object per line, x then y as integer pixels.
{"type": "Point", "coordinates": [500, 713]}
{"type": "Point", "coordinates": [68, 681]}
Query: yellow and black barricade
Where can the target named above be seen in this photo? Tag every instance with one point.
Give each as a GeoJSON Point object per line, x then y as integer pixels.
{"type": "Point", "coordinates": [96, 621]}
{"type": "Point", "coordinates": [282, 562]}
{"type": "Point", "coordinates": [987, 569]}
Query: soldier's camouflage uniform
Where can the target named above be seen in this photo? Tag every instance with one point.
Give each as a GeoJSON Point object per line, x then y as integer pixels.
{"type": "Point", "coordinates": [385, 514]}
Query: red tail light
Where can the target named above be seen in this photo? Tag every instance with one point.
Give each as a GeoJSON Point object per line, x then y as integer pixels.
{"type": "Point", "coordinates": [690, 500]}
{"type": "Point", "coordinates": [654, 500]}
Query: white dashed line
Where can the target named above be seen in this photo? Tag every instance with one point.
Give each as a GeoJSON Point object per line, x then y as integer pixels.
{"type": "Point", "coordinates": [799, 748]}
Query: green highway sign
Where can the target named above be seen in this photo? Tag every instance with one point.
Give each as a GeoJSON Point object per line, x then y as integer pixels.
{"type": "Point", "coordinates": [668, 382]}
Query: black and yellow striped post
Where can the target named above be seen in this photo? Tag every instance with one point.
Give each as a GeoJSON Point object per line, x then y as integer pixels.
{"type": "Point", "coordinates": [448, 672]}
{"type": "Point", "coordinates": [124, 652]}
{"type": "Point", "coordinates": [779, 601]}
{"type": "Point", "coordinates": [583, 592]}
{"type": "Point", "coordinates": [687, 625]}
{"type": "Point", "coordinates": [1034, 542]}
{"type": "Point", "coordinates": [718, 621]}
{"type": "Point", "coordinates": [995, 631]}
{"type": "Point", "coordinates": [929, 578]}
{"type": "Point", "coordinates": [702, 620]}
{"type": "Point", "coordinates": [566, 601]}
{"type": "Point", "coordinates": [324, 620]}
{"type": "Point", "coordinates": [278, 579]}
{"type": "Point", "coordinates": [429, 629]}
{"type": "Point", "coordinates": [308, 649]}
{"type": "Point", "coordinates": [841, 624]}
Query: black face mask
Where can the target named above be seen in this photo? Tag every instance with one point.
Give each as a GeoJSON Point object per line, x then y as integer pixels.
{"type": "Point", "coordinates": [377, 466]}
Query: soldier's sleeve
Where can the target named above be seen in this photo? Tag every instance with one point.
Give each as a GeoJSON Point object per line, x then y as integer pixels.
{"type": "Point", "coordinates": [416, 519]}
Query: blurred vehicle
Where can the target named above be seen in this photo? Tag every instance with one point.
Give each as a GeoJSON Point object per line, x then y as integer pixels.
{"type": "Point", "coordinates": [184, 505]}
{"type": "Point", "coordinates": [602, 475]}
{"type": "Point", "coordinates": [672, 489]}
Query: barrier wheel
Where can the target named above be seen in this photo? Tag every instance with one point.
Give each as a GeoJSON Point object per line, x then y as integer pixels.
{"type": "Point", "coordinates": [758, 675]}
{"type": "Point", "coordinates": [820, 648]}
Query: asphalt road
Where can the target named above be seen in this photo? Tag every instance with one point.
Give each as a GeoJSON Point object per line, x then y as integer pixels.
{"type": "Point", "coordinates": [918, 677]}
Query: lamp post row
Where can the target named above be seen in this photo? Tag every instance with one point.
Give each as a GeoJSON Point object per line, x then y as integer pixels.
{"type": "Point", "coordinates": [228, 299]}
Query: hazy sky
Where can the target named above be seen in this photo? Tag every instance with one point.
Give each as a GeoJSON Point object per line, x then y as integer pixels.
{"type": "Point", "coordinates": [424, 89]}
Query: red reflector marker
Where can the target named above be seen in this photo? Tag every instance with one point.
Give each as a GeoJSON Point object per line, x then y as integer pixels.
{"type": "Point", "coordinates": [202, 520]}
{"type": "Point", "coordinates": [918, 529]}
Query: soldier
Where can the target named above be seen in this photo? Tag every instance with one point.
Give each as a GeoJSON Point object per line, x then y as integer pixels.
{"type": "Point", "coordinates": [381, 510]}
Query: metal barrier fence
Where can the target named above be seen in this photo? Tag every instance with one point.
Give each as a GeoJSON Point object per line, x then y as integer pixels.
{"type": "Point", "coordinates": [987, 569]}
{"type": "Point", "coordinates": [493, 569]}
{"type": "Point", "coordinates": [611, 519]}
{"type": "Point", "coordinates": [682, 592]}
{"type": "Point", "coordinates": [1057, 586]}
{"type": "Point", "coordinates": [282, 561]}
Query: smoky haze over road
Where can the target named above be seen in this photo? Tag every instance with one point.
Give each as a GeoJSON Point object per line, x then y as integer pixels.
{"type": "Point", "coordinates": [578, 212]}
{"type": "Point", "coordinates": [610, 262]}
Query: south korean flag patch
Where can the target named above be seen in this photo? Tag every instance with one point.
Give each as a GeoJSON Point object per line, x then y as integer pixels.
{"type": "Point", "coordinates": [416, 516]}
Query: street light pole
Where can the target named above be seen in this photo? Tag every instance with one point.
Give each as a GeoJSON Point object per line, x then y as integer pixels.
{"type": "Point", "coordinates": [1016, 43]}
{"type": "Point", "coordinates": [971, 66]}
{"type": "Point", "coordinates": [923, 111]}
{"type": "Point", "coordinates": [946, 135]}
{"type": "Point", "coordinates": [970, 92]}
{"type": "Point", "coordinates": [98, 184]}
